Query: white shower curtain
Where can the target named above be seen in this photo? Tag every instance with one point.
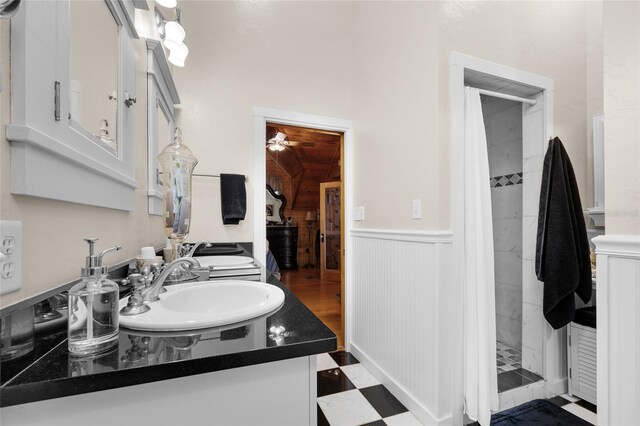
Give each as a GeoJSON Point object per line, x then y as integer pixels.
{"type": "Point", "coordinates": [480, 371]}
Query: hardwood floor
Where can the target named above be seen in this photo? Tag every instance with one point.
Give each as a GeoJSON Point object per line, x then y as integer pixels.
{"type": "Point", "coordinates": [322, 297]}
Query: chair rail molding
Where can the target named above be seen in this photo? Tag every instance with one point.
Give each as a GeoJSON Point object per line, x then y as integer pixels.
{"type": "Point", "coordinates": [618, 341]}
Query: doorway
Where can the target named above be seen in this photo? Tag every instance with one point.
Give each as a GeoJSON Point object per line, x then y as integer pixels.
{"type": "Point", "coordinates": [543, 349]}
{"type": "Point", "coordinates": [294, 168]}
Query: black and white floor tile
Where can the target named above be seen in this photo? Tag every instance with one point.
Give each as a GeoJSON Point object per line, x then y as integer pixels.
{"type": "Point", "coordinates": [579, 407]}
{"type": "Point", "coordinates": [349, 395]}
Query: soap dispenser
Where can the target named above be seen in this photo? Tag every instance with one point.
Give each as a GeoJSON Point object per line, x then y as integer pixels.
{"type": "Point", "coordinates": [93, 307]}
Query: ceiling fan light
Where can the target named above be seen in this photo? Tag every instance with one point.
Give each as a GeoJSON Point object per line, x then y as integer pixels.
{"type": "Point", "coordinates": [276, 146]}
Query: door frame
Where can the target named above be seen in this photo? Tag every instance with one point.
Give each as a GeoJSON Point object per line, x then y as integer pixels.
{"type": "Point", "coordinates": [261, 116]}
{"type": "Point", "coordinates": [552, 341]}
{"type": "Point", "coordinates": [323, 246]}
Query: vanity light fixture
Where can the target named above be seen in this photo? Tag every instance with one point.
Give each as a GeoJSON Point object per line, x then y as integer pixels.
{"type": "Point", "coordinates": [170, 4]}
{"type": "Point", "coordinates": [174, 33]}
{"type": "Point", "coordinates": [278, 142]}
{"type": "Point", "coordinates": [178, 55]}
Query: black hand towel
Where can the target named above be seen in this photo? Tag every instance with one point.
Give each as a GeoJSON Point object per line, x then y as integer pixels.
{"type": "Point", "coordinates": [233, 198]}
{"type": "Point", "coordinates": [562, 248]}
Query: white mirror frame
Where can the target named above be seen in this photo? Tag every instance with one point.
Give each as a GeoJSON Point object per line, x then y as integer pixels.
{"type": "Point", "coordinates": [161, 90]}
{"type": "Point", "coordinates": [49, 158]}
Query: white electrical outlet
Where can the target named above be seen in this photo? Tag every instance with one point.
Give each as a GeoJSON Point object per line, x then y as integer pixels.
{"type": "Point", "coordinates": [11, 259]}
{"type": "Point", "coordinates": [416, 209]}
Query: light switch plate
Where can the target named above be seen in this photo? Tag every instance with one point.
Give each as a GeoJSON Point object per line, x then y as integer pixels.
{"type": "Point", "coordinates": [358, 213]}
{"type": "Point", "coordinates": [416, 209]}
{"type": "Point", "coordinates": [11, 261]}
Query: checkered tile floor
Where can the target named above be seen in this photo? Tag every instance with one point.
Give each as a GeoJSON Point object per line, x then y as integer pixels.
{"type": "Point", "coordinates": [349, 395]}
{"type": "Point", "coordinates": [583, 409]}
{"type": "Point", "coordinates": [508, 358]}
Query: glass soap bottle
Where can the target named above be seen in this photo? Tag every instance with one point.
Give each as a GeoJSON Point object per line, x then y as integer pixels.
{"type": "Point", "coordinates": [93, 307]}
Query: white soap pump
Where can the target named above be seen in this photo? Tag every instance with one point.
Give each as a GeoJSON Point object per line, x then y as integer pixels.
{"type": "Point", "coordinates": [93, 307]}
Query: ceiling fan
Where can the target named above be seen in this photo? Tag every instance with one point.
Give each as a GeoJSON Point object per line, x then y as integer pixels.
{"type": "Point", "coordinates": [278, 143]}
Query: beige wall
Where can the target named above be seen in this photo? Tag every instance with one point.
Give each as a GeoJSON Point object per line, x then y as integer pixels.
{"type": "Point", "coordinates": [622, 117]}
{"type": "Point", "coordinates": [284, 55]}
{"type": "Point", "coordinates": [395, 115]}
{"type": "Point", "coordinates": [383, 65]}
{"type": "Point", "coordinates": [595, 91]}
{"type": "Point", "coordinates": [53, 231]}
{"type": "Point", "coordinates": [545, 38]}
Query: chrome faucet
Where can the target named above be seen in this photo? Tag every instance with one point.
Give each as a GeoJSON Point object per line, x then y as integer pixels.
{"type": "Point", "coordinates": [150, 294]}
{"type": "Point", "coordinates": [196, 245]}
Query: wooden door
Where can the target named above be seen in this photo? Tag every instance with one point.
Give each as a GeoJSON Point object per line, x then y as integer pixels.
{"type": "Point", "coordinates": [330, 231]}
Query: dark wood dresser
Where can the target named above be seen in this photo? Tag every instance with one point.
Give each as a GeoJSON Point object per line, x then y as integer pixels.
{"type": "Point", "coordinates": [283, 243]}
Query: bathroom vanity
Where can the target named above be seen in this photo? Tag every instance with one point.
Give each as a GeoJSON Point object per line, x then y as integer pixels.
{"type": "Point", "coordinates": [261, 371]}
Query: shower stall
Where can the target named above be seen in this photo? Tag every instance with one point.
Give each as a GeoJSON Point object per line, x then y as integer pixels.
{"type": "Point", "coordinates": [517, 111]}
{"type": "Point", "coordinates": [503, 127]}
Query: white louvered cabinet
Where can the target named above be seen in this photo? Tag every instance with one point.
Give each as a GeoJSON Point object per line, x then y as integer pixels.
{"type": "Point", "coordinates": [582, 362]}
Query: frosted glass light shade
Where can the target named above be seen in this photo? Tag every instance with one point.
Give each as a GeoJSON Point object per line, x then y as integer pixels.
{"type": "Point", "coordinates": [167, 3]}
{"type": "Point", "coordinates": [173, 35]}
{"type": "Point", "coordinates": [178, 55]}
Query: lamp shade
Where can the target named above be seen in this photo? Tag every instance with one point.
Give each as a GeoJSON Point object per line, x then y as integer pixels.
{"type": "Point", "coordinates": [177, 56]}
{"type": "Point", "coordinates": [310, 217]}
{"type": "Point", "coordinates": [174, 35]}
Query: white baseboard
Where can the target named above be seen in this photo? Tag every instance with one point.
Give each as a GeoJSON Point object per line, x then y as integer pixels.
{"type": "Point", "coordinates": [557, 387]}
{"type": "Point", "coordinates": [422, 413]}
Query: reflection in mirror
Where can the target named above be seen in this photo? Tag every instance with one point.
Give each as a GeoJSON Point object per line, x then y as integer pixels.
{"type": "Point", "coordinates": [93, 67]}
{"type": "Point", "coordinates": [275, 204]}
{"type": "Point", "coordinates": [164, 133]}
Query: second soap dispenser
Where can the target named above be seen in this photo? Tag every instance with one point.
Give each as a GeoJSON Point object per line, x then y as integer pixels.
{"type": "Point", "coordinates": [93, 307]}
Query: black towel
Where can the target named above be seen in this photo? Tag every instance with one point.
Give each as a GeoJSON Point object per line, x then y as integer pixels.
{"type": "Point", "coordinates": [562, 248]}
{"type": "Point", "coordinates": [233, 198]}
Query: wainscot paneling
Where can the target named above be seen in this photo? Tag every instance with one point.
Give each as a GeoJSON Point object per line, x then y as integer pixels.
{"type": "Point", "coordinates": [618, 319]}
{"type": "Point", "coordinates": [399, 282]}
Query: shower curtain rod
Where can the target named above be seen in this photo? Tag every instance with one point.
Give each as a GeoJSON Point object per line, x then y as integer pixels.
{"type": "Point", "coordinates": [505, 96]}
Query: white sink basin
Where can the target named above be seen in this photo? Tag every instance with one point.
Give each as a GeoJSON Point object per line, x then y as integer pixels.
{"type": "Point", "coordinates": [224, 261]}
{"type": "Point", "coordinates": [206, 304]}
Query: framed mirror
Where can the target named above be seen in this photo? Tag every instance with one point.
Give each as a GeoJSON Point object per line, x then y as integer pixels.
{"type": "Point", "coordinates": [93, 72]}
{"type": "Point", "coordinates": [275, 204]}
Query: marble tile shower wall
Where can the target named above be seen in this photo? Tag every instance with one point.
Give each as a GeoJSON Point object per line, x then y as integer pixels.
{"type": "Point", "coordinates": [503, 125]}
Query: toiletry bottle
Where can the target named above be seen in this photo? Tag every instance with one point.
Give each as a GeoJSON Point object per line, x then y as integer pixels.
{"type": "Point", "coordinates": [93, 307]}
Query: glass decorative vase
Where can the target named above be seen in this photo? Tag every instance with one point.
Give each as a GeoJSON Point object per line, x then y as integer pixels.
{"type": "Point", "coordinates": [177, 163]}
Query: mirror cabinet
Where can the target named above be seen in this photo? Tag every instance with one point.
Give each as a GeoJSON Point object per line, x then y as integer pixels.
{"type": "Point", "coordinates": [73, 101]}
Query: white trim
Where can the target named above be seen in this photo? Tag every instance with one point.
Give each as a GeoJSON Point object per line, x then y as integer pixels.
{"type": "Point", "coordinates": [263, 115]}
{"type": "Point", "coordinates": [618, 341]}
{"type": "Point", "coordinates": [422, 413]}
{"type": "Point", "coordinates": [402, 235]}
{"type": "Point", "coordinates": [162, 89]}
{"type": "Point", "coordinates": [618, 245]}
{"type": "Point", "coordinates": [457, 64]}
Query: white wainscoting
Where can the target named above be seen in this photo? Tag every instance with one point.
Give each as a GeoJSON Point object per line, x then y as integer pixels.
{"type": "Point", "coordinates": [401, 280]}
{"type": "Point", "coordinates": [618, 321]}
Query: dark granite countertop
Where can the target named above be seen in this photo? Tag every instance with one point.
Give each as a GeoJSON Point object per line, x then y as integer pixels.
{"type": "Point", "coordinates": [49, 371]}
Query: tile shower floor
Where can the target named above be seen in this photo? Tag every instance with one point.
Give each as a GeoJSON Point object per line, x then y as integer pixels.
{"type": "Point", "coordinates": [349, 395]}
{"type": "Point", "coordinates": [511, 375]}
{"type": "Point", "coordinates": [508, 358]}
